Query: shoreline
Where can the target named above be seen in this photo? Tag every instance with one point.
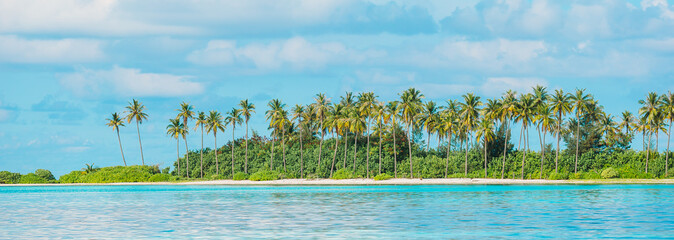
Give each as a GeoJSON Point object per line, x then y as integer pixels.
{"type": "Point", "coordinates": [372, 182]}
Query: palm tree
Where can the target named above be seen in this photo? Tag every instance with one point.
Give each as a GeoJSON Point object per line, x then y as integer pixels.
{"type": "Point", "coordinates": [115, 122]}
{"type": "Point", "coordinates": [447, 123]}
{"type": "Point", "coordinates": [667, 108]}
{"type": "Point", "coordinates": [485, 131]}
{"type": "Point", "coordinates": [273, 115]}
{"type": "Point", "coordinates": [525, 113]}
{"type": "Point", "coordinates": [409, 107]}
{"type": "Point", "coordinates": [392, 111]}
{"type": "Point", "coordinates": [508, 103]}
{"type": "Point", "coordinates": [368, 102]}
{"type": "Point", "coordinates": [470, 113]}
{"type": "Point", "coordinates": [201, 122]}
{"type": "Point", "coordinates": [580, 102]}
{"type": "Point", "coordinates": [380, 115]}
{"type": "Point", "coordinates": [491, 112]}
{"type": "Point", "coordinates": [298, 113]}
{"type": "Point", "coordinates": [546, 122]}
{"type": "Point", "coordinates": [233, 118]}
{"type": "Point", "coordinates": [627, 122]}
{"type": "Point", "coordinates": [561, 105]}
{"type": "Point", "coordinates": [135, 112]}
{"type": "Point", "coordinates": [322, 104]}
{"type": "Point", "coordinates": [334, 123]}
{"type": "Point", "coordinates": [176, 130]}
{"type": "Point", "coordinates": [185, 112]}
{"type": "Point", "coordinates": [214, 123]}
{"type": "Point", "coordinates": [247, 109]}
{"type": "Point", "coordinates": [283, 123]}
{"type": "Point", "coordinates": [428, 119]}
{"type": "Point", "coordinates": [541, 98]}
{"type": "Point", "coordinates": [608, 128]}
{"type": "Point", "coordinates": [650, 114]}
{"type": "Point", "coordinates": [356, 126]}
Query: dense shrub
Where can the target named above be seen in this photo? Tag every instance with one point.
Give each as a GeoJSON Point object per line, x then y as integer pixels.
{"type": "Point", "coordinates": [382, 176]}
{"type": "Point", "coordinates": [9, 177]}
{"type": "Point", "coordinates": [45, 174]}
{"type": "Point", "coordinates": [112, 174]}
{"type": "Point", "coordinates": [342, 174]}
{"type": "Point", "coordinates": [160, 177]}
{"type": "Point", "coordinates": [32, 178]}
{"type": "Point", "coordinates": [240, 176]}
{"type": "Point", "coordinates": [559, 176]}
{"type": "Point", "coordinates": [610, 173]}
{"type": "Point", "coordinates": [264, 175]}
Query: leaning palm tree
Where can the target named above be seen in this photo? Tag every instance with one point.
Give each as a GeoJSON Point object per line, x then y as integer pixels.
{"type": "Point", "coordinates": [410, 102]}
{"type": "Point", "coordinates": [470, 112]}
{"type": "Point", "coordinates": [214, 124]}
{"type": "Point", "coordinates": [525, 113]}
{"type": "Point", "coordinates": [392, 113]}
{"type": "Point", "coordinates": [176, 130]}
{"type": "Point", "coordinates": [233, 118]}
{"type": "Point", "coordinates": [115, 122]}
{"type": "Point", "coordinates": [485, 132]}
{"type": "Point", "coordinates": [667, 108]}
{"type": "Point", "coordinates": [135, 113]}
{"type": "Point", "coordinates": [561, 105]}
{"type": "Point", "coordinates": [546, 122]}
{"type": "Point", "coordinates": [580, 102]}
{"type": "Point", "coordinates": [201, 122]}
{"type": "Point", "coordinates": [299, 112]}
{"type": "Point", "coordinates": [185, 112]}
{"type": "Point", "coordinates": [247, 109]}
{"type": "Point", "coordinates": [321, 106]}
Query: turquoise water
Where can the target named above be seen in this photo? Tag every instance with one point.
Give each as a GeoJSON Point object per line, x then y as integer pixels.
{"type": "Point", "coordinates": [354, 212]}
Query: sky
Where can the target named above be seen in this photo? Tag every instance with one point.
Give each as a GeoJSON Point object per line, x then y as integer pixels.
{"type": "Point", "coordinates": [65, 66]}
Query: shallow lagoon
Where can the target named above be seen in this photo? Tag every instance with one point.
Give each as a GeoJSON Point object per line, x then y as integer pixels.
{"type": "Point", "coordinates": [430, 212]}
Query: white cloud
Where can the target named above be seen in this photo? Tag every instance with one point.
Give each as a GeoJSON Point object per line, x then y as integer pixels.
{"type": "Point", "coordinates": [19, 50]}
{"type": "Point", "coordinates": [296, 53]}
{"type": "Point", "coordinates": [496, 86]}
{"type": "Point", "coordinates": [128, 82]}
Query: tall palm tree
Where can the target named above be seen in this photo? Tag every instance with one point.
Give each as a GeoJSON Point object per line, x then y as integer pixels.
{"type": "Point", "coordinates": [508, 103]}
{"type": "Point", "coordinates": [380, 115]}
{"type": "Point", "coordinates": [608, 128]}
{"type": "Point", "coordinates": [650, 113]}
{"type": "Point", "coordinates": [561, 105]}
{"type": "Point", "coordinates": [283, 123]}
{"type": "Point", "coordinates": [176, 130]}
{"type": "Point", "coordinates": [667, 108]}
{"type": "Point", "coordinates": [546, 122]}
{"type": "Point", "coordinates": [274, 113]}
{"type": "Point", "coordinates": [356, 126]}
{"type": "Point", "coordinates": [485, 131]}
{"type": "Point", "coordinates": [447, 121]}
{"type": "Point", "coordinates": [333, 123]}
{"type": "Point", "coordinates": [580, 102]}
{"type": "Point", "coordinates": [470, 112]}
{"type": "Point", "coordinates": [233, 118]}
{"type": "Point", "coordinates": [247, 109]}
{"type": "Point", "coordinates": [115, 122]}
{"type": "Point", "coordinates": [525, 111]}
{"type": "Point", "coordinates": [214, 124]}
{"type": "Point", "coordinates": [135, 112]}
{"type": "Point", "coordinates": [392, 112]}
{"type": "Point", "coordinates": [368, 103]}
{"type": "Point", "coordinates": [321, 106]}
{"type": "Point", "coordinates": [185, 112]}
{"type": "Point", "coordinates": [540, 98]}
{"type": "Point", "coordinates": [201, 122]}
{"type": "Point", "coordinates": [298, 114]}
{"type": "Point", "coordinates": [410, 102]}
{"type": "Point", "coordinates": [428, 119]}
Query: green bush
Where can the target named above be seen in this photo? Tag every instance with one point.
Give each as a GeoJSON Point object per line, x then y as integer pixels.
{"type": "Point", "coordinates": [160, 177]}
{"type": "Point", "coordinates": [72, 177]}
{"type": "Point", "coordinates": [342, 174]}
{"type": "Point", "coordinates": [32, 178]}
{"type": "Point", "coordinates": [610, 173]}
{"type": "Point", "coordinates": [9, 177]}
{"type": "Point", "coordinates": [559, 176]}
{"type": "Point", "coordinates": [45, 174]}
{"type": "Point", "coordinates": [382, 176]}
{"type": "Point", "coordinates": [240, 176]}
{"type": "Point", "coordinates": [264, 175]}
{"type": "Point", "coordinates": [112, 175]}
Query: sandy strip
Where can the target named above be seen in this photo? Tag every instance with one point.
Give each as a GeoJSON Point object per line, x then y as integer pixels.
{"type": "Point", "coordinates": [396, 181]}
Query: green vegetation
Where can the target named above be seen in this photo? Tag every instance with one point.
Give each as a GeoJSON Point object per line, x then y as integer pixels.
{"type": "Point", "coordinates": [264, 175]}
{"type": "Point", "coordinates": [610, 173]}
{"type": "Point", "coordinates": [343, 174]}
{"type": "Point", "coordinates": [240, 176]}
{"type": "Point", "coordinates": [382, 176]}
{"type": "Point", "coordinates": [116, 174]}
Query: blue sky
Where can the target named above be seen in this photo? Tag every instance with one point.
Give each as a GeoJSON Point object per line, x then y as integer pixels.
{"type": "Point", "coordinates": [66, 65]}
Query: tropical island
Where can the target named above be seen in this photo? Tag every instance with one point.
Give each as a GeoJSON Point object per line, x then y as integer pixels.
{"type": "Point", "coordinates": [360, 136]}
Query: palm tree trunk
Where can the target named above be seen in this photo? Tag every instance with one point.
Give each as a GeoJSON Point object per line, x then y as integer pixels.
{"type": "Point", "coordinates": [380, 149]}
{"type": "Point", "coordinates": [301, 156]}
{"type": "Point", "coordinates": [178, 154]}
{"type": "Point", "coordinates": [395, 154]}
{"type": "Point", "coordinates": [346, 140]}
{"type": "Point", "coordinates": [283, 147]}
{"type": "Point", "coordinates": [124, 159]}
{"type": "Point", "coordinates": [142, 159]}
{"type": "Point", "coordinates": [233, 128]}
{"type": "Point", "coordinates": [271, 163]}
{"type": "Point", "coordinates": [428, 141]}
{"type": "Point", "coordinates": [540, 140]}
{"type": "Point", "coordinates": [669, 134]}
{"type": "Point", "coordinates": [449, 145]}
{"type": "Point", "coordinates": [245, 169]}
{"type": "Point", "coordinates": [657, 140]}
{"type": "Point", "coordinates": [187, 158]}
{"type": "Point", "coordinates": [355, 147]}
{"type": "Point", "coordinates": [409, 143]}
{"type": "Point", "coordinates": [505, 145]}
{"type": "Point", "coordinates": [575, 168]}
{"type": "Point", "coordinates": [334, 155]}
{"type": "Point", "coordinates": [485, 157]}
{"type": "Point", "coordinates": [648, 150]}
{"type": "Point", "coordinates": [367, 159]}
{"type": "Point", "coordinates": [465, 166]}
{"type": "Point", "coordinates": [201, 152]}
{"type": "Point", "coordinates": [524, 155]}
{"type": "Point", "coordinates": [559, 133]}
{"type": "Point", "coordinates": [540, 174]}
{"type": "Point", "coordinates": [217, 167]}
{"type": "Point", "coordinates": [320, 145]}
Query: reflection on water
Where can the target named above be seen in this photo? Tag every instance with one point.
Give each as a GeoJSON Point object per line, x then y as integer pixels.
{"type": "Point", "coordinates": [430, 212]}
